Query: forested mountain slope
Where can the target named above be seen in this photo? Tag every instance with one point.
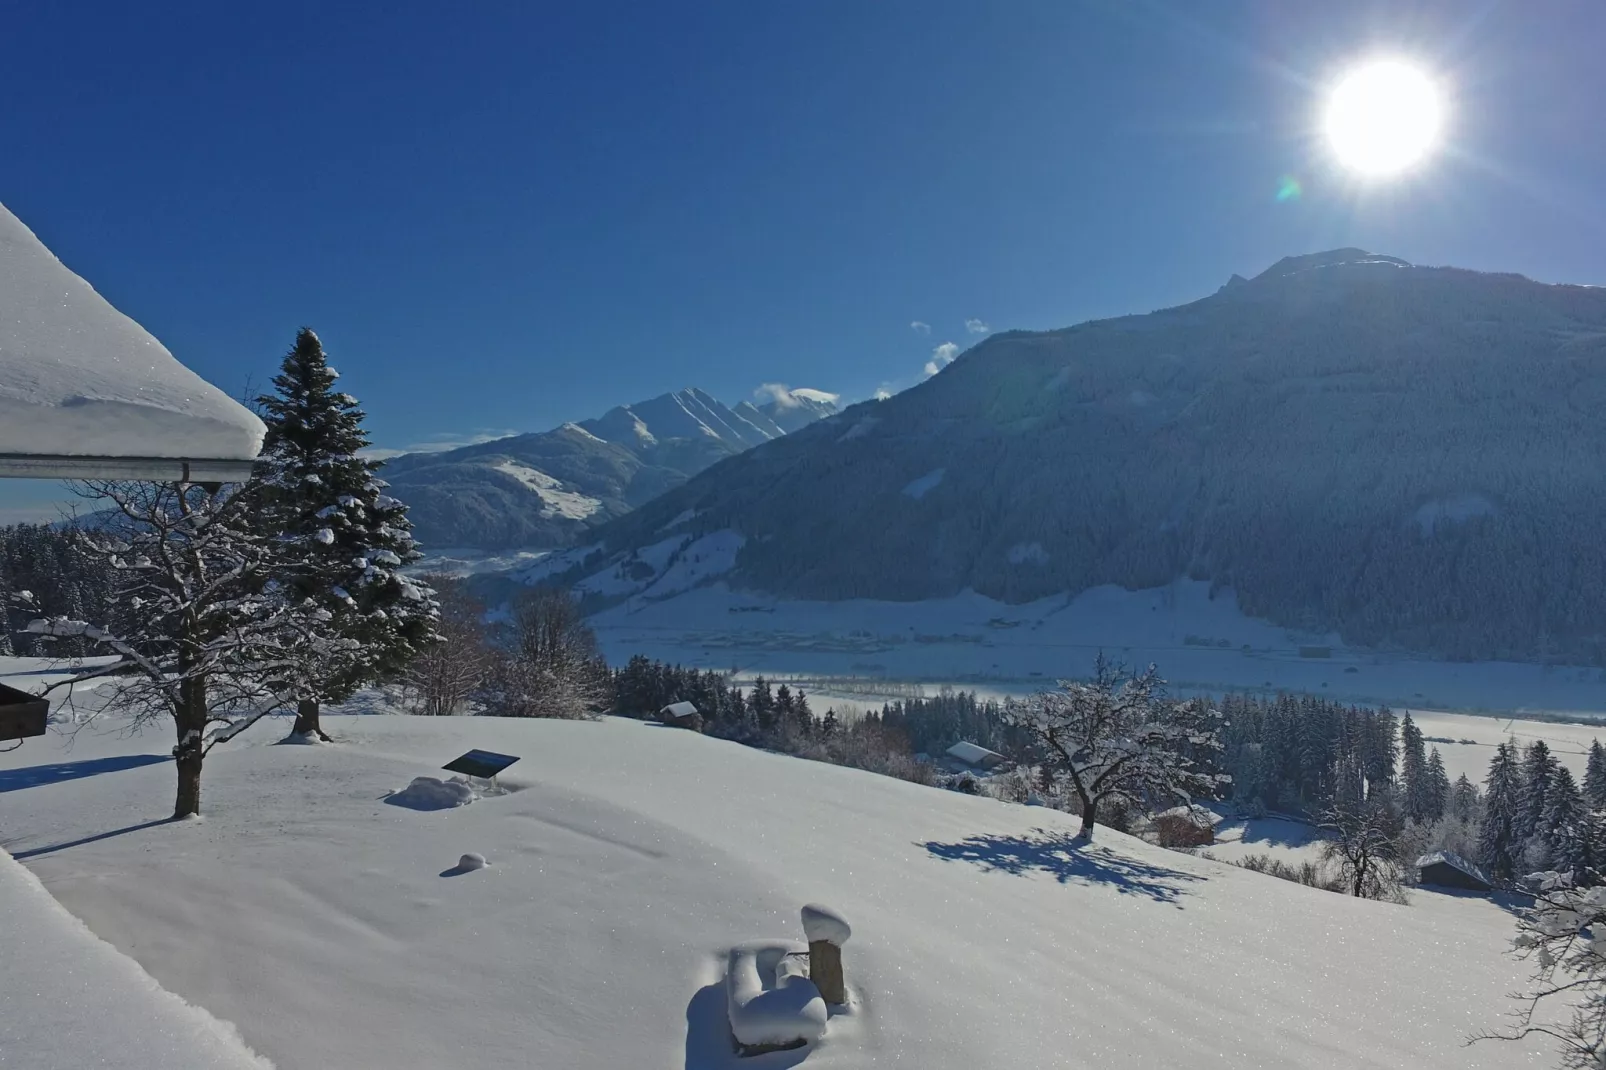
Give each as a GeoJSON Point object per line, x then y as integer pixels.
{"type": "Point", "coordinates": [1410, 456]}
{"type": "Point", "coordinates": [538, 490]}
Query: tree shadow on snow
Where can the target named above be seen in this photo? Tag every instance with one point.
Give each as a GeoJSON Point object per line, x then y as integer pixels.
{"type": "Point", "coordinates": [34, 776]}
{"type": "Point", "coordinates": [1069, 861]}
{"type": "Point", "coordinates": [708, 1038]}
{"type": "Point", "coordinates": [21, 855]}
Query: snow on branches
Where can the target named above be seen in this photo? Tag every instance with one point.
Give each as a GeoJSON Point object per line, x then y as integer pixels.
{"type": "Point", "coordinates": [1116, 738]}
{"type": "Point", "coordinates": [203, 626]}
{"type": "Point", "coordinates": [1564, 936]}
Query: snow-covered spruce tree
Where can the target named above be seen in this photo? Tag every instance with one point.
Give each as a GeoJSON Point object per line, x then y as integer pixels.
{"type": "Point", "coordinates": [1595, 776]}
{"type": "Point", "coordinates": [203, 627]}
{"type": "Point", "coordinates": [348, 540]}
{"type": "Point", "coordinates": [1500, 844]}
{"type": "Point", "coordinates": [1563, 935]}
{"type": "Point", "coordinates": [1116, 739]}
{"type": "Point", "coordinates": [1437, 797]}
{"type": "Point", "coordinates": [1539, 768]}
{"type": "Point", "coordinates": [1565, 830]}
{"type": "Point", "coordinates": [1414, 769]}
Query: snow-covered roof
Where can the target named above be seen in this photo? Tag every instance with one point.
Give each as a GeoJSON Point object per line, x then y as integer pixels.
{"type": "Point", "coordinates": [85, 391]}
{"type": "Point", "coordinates": [679, 709]}
{"type": "Point", "coordinates": [1452, 859]}
{"type": "Point", "coordinates": [1201, 815]}
{"type": "Point", "coordinates": [972, 753]}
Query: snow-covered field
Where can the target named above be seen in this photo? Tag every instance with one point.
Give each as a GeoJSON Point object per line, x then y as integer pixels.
{"type": "Point", "coordinates": [336, 929]}
{"type": "Point", "coordinates": [70, 1000]}
{"type": "Point", "coordinates": [1199, 643]}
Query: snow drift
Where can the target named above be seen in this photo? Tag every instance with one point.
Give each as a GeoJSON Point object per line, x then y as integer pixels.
{"type": "Point", "coordinates": [70, 1000]}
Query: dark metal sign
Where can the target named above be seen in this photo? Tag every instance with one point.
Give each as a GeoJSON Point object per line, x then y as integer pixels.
{"type": "Point", "coordinates": [21, 715]}
{"type": "Point", "coordinates": [480, 763]}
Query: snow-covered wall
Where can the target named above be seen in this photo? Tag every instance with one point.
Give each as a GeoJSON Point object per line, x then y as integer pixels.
{"type": "Point", "coordinates": [69, 1000]}
{"type": "Point", "coordinates": [79, 378]}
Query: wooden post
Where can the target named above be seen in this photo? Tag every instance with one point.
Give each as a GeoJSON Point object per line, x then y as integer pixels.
{"type": "Point", "coordinates": [826, 931]}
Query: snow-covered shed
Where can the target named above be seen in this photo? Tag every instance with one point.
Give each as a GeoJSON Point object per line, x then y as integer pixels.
{"type": "Point", "coordinates": [975, 756]}
{"type": "Point", "coordinates": [681, 715]}
{"type": "Point", "coordinates": [1449, 870]}
{"type": "Point", "coordinates": [85, 392]}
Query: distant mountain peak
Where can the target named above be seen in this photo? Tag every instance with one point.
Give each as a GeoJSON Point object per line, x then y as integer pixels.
{"type": "Point", "coordinates": [1295, 265]}
{"type": "Point", "coordinates": [540, 489]}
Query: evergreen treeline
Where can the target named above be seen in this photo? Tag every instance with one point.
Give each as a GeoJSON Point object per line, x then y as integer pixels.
{"type": "Point", "coordinates": [50, 563]}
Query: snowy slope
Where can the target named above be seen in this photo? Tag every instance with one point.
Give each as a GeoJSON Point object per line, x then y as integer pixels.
{"type": "Point", "coordinates": [69, 1000]}
{"type": "Point", "coordinates": [78, 377]}
{"type": "Point", "coordinates": [335, 929]}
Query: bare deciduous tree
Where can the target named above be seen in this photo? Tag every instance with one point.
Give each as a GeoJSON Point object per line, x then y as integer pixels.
{"type": "Point", "coordinates": [1362, 840]}
{"type": "Point", "coordinates": [205, 629]}
{"type": "Point", "coordinates": [443, 676]}
{"type": "Point", "coordinates": [1116, 739]}
{"type": "Point", "coordinates": [548, 665]}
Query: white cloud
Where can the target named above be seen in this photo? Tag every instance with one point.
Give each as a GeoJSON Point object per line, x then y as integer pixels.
{"type": "Point", "coordinates": [440, 443]}
{"type": "Point", "coordinates": [883, 392]}
{"type": "Point", "coordinates": [941, 357]}
{"type": "Point", "coordinates": [919, 328]}
{"type": "Point", "coordinates": [787, 398]}
{"type": "Point", "coordinates": [975, 326]}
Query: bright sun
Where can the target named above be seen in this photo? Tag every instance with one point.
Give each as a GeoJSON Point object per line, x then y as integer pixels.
{"type": "Point", "coordinates": [1383, 117]}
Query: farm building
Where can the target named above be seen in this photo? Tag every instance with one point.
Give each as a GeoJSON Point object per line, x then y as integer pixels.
{"type": "Point", "coordinates": [975, 757]}
{"type": "Point", "coordinates": [681, 715]}
{"type": "Point", "coordinates": [1447, 869]}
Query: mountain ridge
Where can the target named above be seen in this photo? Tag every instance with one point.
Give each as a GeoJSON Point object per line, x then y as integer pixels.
{"type": "Point", "coordinates": [1400, 454]}
{"type": "Point", "coordinates": [541, 489]}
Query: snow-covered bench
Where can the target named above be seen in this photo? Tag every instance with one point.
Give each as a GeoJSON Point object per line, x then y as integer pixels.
{"type": "Point", "coordinates": [772, 1003]}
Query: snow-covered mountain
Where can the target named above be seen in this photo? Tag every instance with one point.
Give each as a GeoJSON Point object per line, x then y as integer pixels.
{"type": "Point", "coordinates": [1406, 456]}
{"type": "Point", "coordinates": [540, 490]}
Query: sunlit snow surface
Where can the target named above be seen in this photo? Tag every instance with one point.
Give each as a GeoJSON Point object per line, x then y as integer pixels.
{"type": "Point", "coordinates": [633, 858]}
{"type": "Point", "coordinates": [77, 377]}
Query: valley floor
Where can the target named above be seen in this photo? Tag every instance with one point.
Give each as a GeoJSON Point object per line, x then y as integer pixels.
{"type": "Point", "coordinates": [1200, 643]}
{"type": "Point", "coordinates": [332, 928]}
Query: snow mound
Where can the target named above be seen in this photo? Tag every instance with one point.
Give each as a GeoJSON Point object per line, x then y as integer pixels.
{"type": "Point", "coordinates": [72, 1000]}
{"type": "Point", "coordinates": [823, 923]}
{"type": "Point", "coordinates": [430, 793]}
{"type": "Point", "coordinates": [77, 377]}
{"type": "Point", "coordinates": [771, 1001]}
{"type": "Point", "coordinates": [472, 861]}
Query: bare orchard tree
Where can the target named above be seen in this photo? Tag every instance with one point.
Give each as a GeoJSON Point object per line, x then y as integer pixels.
{"type": "Point", "coordinates": [548, 664]}
{"type": "Point", "coordinates": [1116, 739]}
{"type": "Point", "coordinates": [204, 627]}
{"type": "Point", "coordinates": [1563, 936]}
{"type": "Point", "coordinates": [445, 673]}
{"type": "Point", "coordinates": [1363, 840]}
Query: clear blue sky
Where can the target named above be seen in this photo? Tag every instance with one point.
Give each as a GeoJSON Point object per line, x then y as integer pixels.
{"type": "Point", "coordinates": [503, 216]}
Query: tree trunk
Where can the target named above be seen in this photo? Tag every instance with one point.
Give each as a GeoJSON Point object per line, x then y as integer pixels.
{"type": "Point", "coordinates": [190, 723]}
{"type": "Point", "coordinates": [1090, 810]}
{"type": "Point", "coordinates": [307, 720]}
